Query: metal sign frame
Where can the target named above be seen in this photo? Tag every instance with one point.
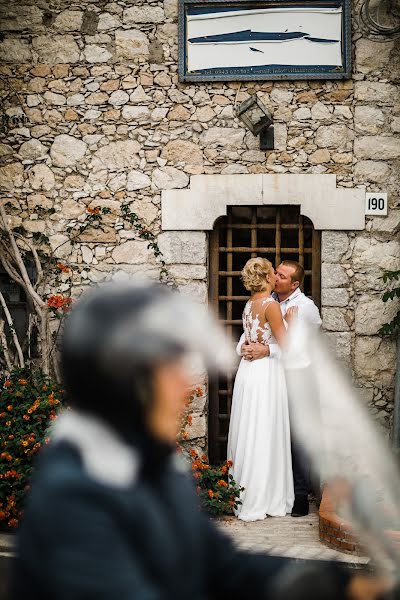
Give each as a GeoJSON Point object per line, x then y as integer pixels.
{"type": "Point", "coordinates": [266, 72]}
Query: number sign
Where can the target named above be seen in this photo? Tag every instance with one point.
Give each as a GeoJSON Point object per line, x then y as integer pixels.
{"type": "Point", "coordinates": [376, 204]}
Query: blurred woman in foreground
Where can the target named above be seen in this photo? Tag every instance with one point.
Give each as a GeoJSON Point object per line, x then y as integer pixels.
{"type": "Point", "coordinates": [112, 513]}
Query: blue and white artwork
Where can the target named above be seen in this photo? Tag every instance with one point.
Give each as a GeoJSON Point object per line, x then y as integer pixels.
{"type": "Point", "coordinates": [288, 36]}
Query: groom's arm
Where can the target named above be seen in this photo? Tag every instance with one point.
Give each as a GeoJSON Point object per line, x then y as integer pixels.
{"type": "Point", "coordinates": [240, 344]}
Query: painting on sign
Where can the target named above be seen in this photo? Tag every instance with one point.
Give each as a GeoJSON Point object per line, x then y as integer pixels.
{"type": "Point", "coordinates": [270, 40]}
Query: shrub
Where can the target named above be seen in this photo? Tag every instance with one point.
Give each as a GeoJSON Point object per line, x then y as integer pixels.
{"type": "Point", "coordinates": [28, 403]}
{"type": "Point", "coordinates": [216, 487]}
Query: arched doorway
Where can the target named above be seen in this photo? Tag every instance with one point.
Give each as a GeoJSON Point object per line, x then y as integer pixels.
{"type": "Point", "coordinates": [276, 233]}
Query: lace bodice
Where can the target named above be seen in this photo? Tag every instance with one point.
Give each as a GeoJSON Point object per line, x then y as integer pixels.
{"type": "Point", "coordinates": [256, 327]}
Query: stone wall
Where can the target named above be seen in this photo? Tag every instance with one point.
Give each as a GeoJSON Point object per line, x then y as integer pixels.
{"type": "Point", "coordinates": [109, 122]}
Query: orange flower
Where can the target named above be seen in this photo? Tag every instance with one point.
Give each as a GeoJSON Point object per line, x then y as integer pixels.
{"type": "Point", "coordinates": [93, 211]}
{"type": "Point", "coordinates": [7, 383]}
{"type": "Point", "coordinates": [10, 437]}
{"type": "Point", "coordinates": [3, 414]}
{"type": "Point", "coordinates": [9, 407]}
{"type": "Point", "coordinates": [2, 515]}
{"type": "Point", "coordinates": [199, 392]}
{"type": "Point", "coordinates": [222, 483]}
{"type": "Point", "coordinates": [193, 453]}
{"type": "Point", "coordinates": [63, 268]}
{"type": "Point", "coordinates": [3, 455]}
{"type": "Point", "coordinates": [229, 464]}
{"type": "Point", "coordinates": [24, 442]}
{"type": "Point", "coordinates": [231, 503]}
{"type": "Point", "coordinates": [210, 494]}
{"type": "Point", "coordinates": [58, 301]}
{"type": "Point", "coordinates": [45, 388]}
{"type": "Point", "coordinates": [26, 417]}
{"type": "Point", "coordinates": [13, 523]}
{"type": "Point", "coordinates": [8, 423]}
{"type": "Point", "coordinates": [22, 381]}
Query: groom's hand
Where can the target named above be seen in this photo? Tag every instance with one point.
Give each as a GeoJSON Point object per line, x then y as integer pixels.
{"type": "Point", "coordinates": [254, 351]}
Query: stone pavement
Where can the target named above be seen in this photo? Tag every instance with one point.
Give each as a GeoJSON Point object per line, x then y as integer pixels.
{"type": "Point", "coordinates": [286, 536]}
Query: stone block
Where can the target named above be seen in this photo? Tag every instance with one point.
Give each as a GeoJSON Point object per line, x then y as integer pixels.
{"type": "Point", "coordinates": [96, 54]}
{"type": "Point", "coordinates": [198, 428]}
{"type": "Point", "coordinates": [372, 55]}
{"type": "Point", "coordinates": [177, 151]}
{"type": "Point", "coordinates": [340, 343]}
{"type": "Point", "coordinates": [140, 114]}
{"type": "Point", "coordinates": [13, 50]}
{"type": "Point", "coordinates": [11, 177]}
{"type": "Point", "coordinates": [227, 137]}
{"type": "Point", "coordinates": [32, 150]}
{"type": "Point", "coordinates": [168, 178]}
{"type": "Point", "coordinates": [68, 20]}
{"type": "Point", "coordinates": [335, 297]}
{"type": "Point", "coordinates": [131, 44]}
{"type": "Point", "coordinates": [369, 170]}
{"type": "Point", "coordinates": [369, 252]}
{"type": "Point", "coordinates": [368, 119]}
{"type": "Point", "coordinates": [143, 14]}
{"type": "Point", "coordinates": [377, 147]}
{"type": "Point", "coordinates": [67, 150]}
{"type": "Point", "coordinates": [375, 359]}
{"type": "Point", "coordinates": [334, 245]}
{"type": "Point", "coordinates": [187, 247]}
{"type": "Point", "coordinates": [133, 252]}
{"type": "Point", "coordinates": [17, 17]}
{"type": "Point", "coordinates": [41, 177]}
{"type": "Point", "coordinates": [116, 155]}
{"type": "Point", "coordinates": [333, 319]}
{"type": "Point", "coordinates": [55, 49]}
{"type": "Point", "coordinates": [333, 136]}
{"type": "Point", "coordinates": [376, 92]}
{"type": "Point", "coordinates": [333, 276]}
{"type": "Point", "coordinates": [137, 181]}
{"type": "Point", "coordinates": [372, 313]}
{"type": "Point", "coordinates": [171, 9]}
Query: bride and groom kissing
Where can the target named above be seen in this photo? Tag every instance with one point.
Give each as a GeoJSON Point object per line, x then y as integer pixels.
{"type": "Point", "coordinates": [267, 462]}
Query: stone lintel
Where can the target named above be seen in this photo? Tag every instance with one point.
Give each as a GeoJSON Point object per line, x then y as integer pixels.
{"type": "Point", "coordinates": [207, 199]}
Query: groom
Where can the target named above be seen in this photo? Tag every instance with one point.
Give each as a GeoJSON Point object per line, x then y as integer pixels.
{"type": "Point", "coordinates": [290, 276]}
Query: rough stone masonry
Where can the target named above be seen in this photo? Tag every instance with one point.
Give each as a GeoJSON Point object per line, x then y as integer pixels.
{"type": "Point", "coordinates": [109, 122]}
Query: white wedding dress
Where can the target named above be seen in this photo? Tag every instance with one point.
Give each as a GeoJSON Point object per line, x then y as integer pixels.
{"type": "Point", "coordinates": [259, 431]}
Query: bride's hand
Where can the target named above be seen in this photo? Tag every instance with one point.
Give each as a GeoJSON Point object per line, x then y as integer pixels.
{"type": "Point", "coordinates": [255, 351]}
{"type": "Point", "coordinates": [291, 314]}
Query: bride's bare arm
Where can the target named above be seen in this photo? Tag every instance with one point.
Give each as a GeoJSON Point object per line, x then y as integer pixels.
{"type": "Point", "coordinates": [274, 317]}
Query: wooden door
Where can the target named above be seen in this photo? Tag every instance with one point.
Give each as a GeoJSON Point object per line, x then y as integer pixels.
{"type": "Point", "coordinates": [274, 232]}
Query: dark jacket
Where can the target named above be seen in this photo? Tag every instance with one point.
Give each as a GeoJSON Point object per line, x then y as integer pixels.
{"type": "Point", "coordinates": [100, 526]}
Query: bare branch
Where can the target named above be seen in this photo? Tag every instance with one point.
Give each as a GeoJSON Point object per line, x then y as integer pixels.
{"type": "Point", "coordinates": [12, 330]}
{"type": "Point", "coordinates": [38, 264]}
{"type": "Point", "coordinates": [6, 260]}
{"type": "Point", "coordinates": [4, 344]}
{"type": "Point", "coordinates": [38, 301]}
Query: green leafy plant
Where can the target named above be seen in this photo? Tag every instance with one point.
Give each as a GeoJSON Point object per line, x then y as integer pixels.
{"type": "Point", "coordinates": [29, 400]}
{"type": "Point", "coordinates": [217, 489]}
{"type": "Point", "coordinates": [393, 327]}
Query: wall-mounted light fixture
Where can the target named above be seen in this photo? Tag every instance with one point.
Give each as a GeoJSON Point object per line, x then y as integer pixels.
{"type": "Point", "coordinates": [257, 118]}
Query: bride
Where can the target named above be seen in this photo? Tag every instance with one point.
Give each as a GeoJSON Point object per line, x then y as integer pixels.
{"type": "Point", "coordinates": [259, 432]}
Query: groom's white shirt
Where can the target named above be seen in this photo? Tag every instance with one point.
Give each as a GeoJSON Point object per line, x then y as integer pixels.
{"type": "Point", "coordinates": [307, 311]}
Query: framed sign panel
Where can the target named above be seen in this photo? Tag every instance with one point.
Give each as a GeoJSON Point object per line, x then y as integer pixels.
{"type": "Point", "coordinates": [225, 40]}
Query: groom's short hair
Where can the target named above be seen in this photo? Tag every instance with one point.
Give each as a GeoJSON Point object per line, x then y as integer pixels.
{"type": "Point", "coordinates": [298, 270]}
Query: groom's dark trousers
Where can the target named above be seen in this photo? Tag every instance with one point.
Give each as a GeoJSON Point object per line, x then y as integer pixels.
{"type": "Point", "coordinates": [301, 470]}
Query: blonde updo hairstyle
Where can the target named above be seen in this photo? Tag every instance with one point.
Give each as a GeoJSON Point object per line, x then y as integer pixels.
{"type": "Point", "coordinates": [256, 274]}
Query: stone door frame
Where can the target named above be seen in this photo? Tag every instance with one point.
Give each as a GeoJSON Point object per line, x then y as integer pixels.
{"type": "Point", "coordinates": [198, 207]}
